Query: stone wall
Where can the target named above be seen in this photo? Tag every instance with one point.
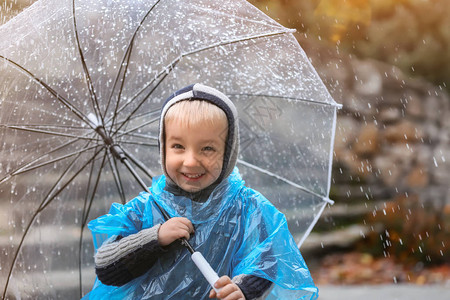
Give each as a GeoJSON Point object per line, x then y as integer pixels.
{"type": "Point", "coordinates": [393, 133]}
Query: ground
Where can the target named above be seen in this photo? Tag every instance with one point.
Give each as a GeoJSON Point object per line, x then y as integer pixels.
{"type": "Point", "coordinates": [360, 268]}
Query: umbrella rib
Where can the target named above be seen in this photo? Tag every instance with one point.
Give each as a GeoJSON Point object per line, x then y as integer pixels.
{"type": "Point", "coordinates": [58, 97]}
{"type": "Point", "coordinates": [137, 116]}
{"type": "Point", "coordinates": [19, 170]}
{"type": "Point", "coordinates": [48, 132]}
{"type": "Point", "coordinates": [47, 126]}
{"type": "Point", "coordinates": [172, 65]}
{"type": "Point", "coordinates": [208, 10]}
{"type": "Point", "coordinates": [85, 68]}
{"type": "Point", "coordinates": [284, 180]}
{"type": "Point", "coordinates": [139, 143]}
{"type": "Point", "coordinates": [139, 164]}
{"type": "Point", "coordinates": [125, 63]}
{"type": "Point", "coordinates": [237, 40]}
{"type": "Point", "coordinates": [313, 223]}
{"type": "Point", "coordinates": [24, 169]}
{"type": "Point", "coordinates": [86, 211]}
{"type": "Point", "coordinates": [122, 133]}
{"type": "Point", "coordinates": [116, 176]}
{"type": "Point", "coordinates": [47, 200]}
{"type": "Point", "coordinates": [50, 199]}
{"type": "Point", "coordinates": [134, 98]}
{"type": "Point", "coordinates": [119, 96]}
{"type": "Point", "coordinates": [287, 98]}
{"type": "Point", "coordinates": [165, 74]}
{"type": "Point", "coordinates": [137, 135]}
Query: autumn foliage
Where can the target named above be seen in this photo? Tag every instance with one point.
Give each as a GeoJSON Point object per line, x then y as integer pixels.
{"type": "Point", "coordinates": [413, 35]}
{"type": "Point", "coordinates": [411, 232]}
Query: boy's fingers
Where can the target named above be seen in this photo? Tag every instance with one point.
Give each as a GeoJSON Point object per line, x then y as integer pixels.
{"type": "Point", "coordinates": [222, 281]}
{"type": "Point", "coordinates": [212, 294]}
{"type": "Point", "coordinates": [236, 295]}
{"type": "Point", "coordinates": [184, 223]}
{"type": "Point", "coordinates": [173, 229]}
{"type": "Point", "coordinates": [227, 290]}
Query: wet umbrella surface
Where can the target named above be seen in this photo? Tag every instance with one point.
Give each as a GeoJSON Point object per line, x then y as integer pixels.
{"type": "Point", "coordinates": [62, 61]}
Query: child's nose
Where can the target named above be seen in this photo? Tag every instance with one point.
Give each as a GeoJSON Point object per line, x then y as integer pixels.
{"type": "Point", "coordinates": [190, 159]}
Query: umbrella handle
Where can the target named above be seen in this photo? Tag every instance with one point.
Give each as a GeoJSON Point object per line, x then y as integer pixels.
{"type": "Point", "coordinates": [206, 269]}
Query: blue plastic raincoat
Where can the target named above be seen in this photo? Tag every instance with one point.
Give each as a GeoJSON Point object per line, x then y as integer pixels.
{"type": "Point", "coordinates": [237, 230]}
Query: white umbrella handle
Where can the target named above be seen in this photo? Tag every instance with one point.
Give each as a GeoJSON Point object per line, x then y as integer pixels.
{"type": "Point", "coordinates": [204, 267]}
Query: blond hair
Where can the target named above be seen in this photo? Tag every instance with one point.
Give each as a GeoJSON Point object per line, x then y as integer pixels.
{"type": "Point", "coordinates": [192, 112]}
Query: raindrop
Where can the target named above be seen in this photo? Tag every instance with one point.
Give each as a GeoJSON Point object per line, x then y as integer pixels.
{"type": "Point", "coordinates": [435, 162]}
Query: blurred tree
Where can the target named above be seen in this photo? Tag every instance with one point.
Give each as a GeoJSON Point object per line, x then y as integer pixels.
{"type": "Point", "coordinates": [411, 34]}
{"type": "Point", "coordinates": [10, 8]}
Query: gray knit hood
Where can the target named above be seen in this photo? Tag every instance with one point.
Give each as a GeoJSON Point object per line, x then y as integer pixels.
{"type": "Point", "coordinates": [202, 92]}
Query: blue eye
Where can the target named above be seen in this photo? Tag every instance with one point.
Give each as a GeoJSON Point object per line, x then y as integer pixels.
{"type": "Point", "coordinates": [177, 146]}
{"type": "Point", "coordinates": [208, 148]}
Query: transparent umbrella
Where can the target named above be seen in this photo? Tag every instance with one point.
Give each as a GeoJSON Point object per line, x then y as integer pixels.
{"type": "Point", "coordinates": [62, 61]}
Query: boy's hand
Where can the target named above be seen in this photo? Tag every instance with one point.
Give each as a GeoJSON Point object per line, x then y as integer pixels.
{"type": "Point", "coordinates": [228, 290]}
{"type": "Point", "coordinates": [174, 229]}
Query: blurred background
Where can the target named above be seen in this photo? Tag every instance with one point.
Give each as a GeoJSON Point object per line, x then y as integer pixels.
{"type": "Point", "coordinates": [388, 63]}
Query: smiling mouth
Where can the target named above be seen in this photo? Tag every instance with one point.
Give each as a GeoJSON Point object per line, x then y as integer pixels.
{"type": "Point", "coordinates": [192, 176]}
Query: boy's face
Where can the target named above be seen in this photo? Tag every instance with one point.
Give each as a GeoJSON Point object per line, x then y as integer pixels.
{"type": "Point", "coordinates": [194, 154]}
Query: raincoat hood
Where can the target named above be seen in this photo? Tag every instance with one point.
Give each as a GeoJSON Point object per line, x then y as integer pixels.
{"type": "Point", "coordinates": [237, 230]}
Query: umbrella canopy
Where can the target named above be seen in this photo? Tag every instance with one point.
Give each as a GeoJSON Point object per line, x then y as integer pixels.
{"type": "Point", "coordinates": [64, 60]}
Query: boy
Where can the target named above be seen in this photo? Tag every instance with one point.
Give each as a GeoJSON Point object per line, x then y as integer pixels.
{"type": "Point", "coordinates": [242, 236]}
